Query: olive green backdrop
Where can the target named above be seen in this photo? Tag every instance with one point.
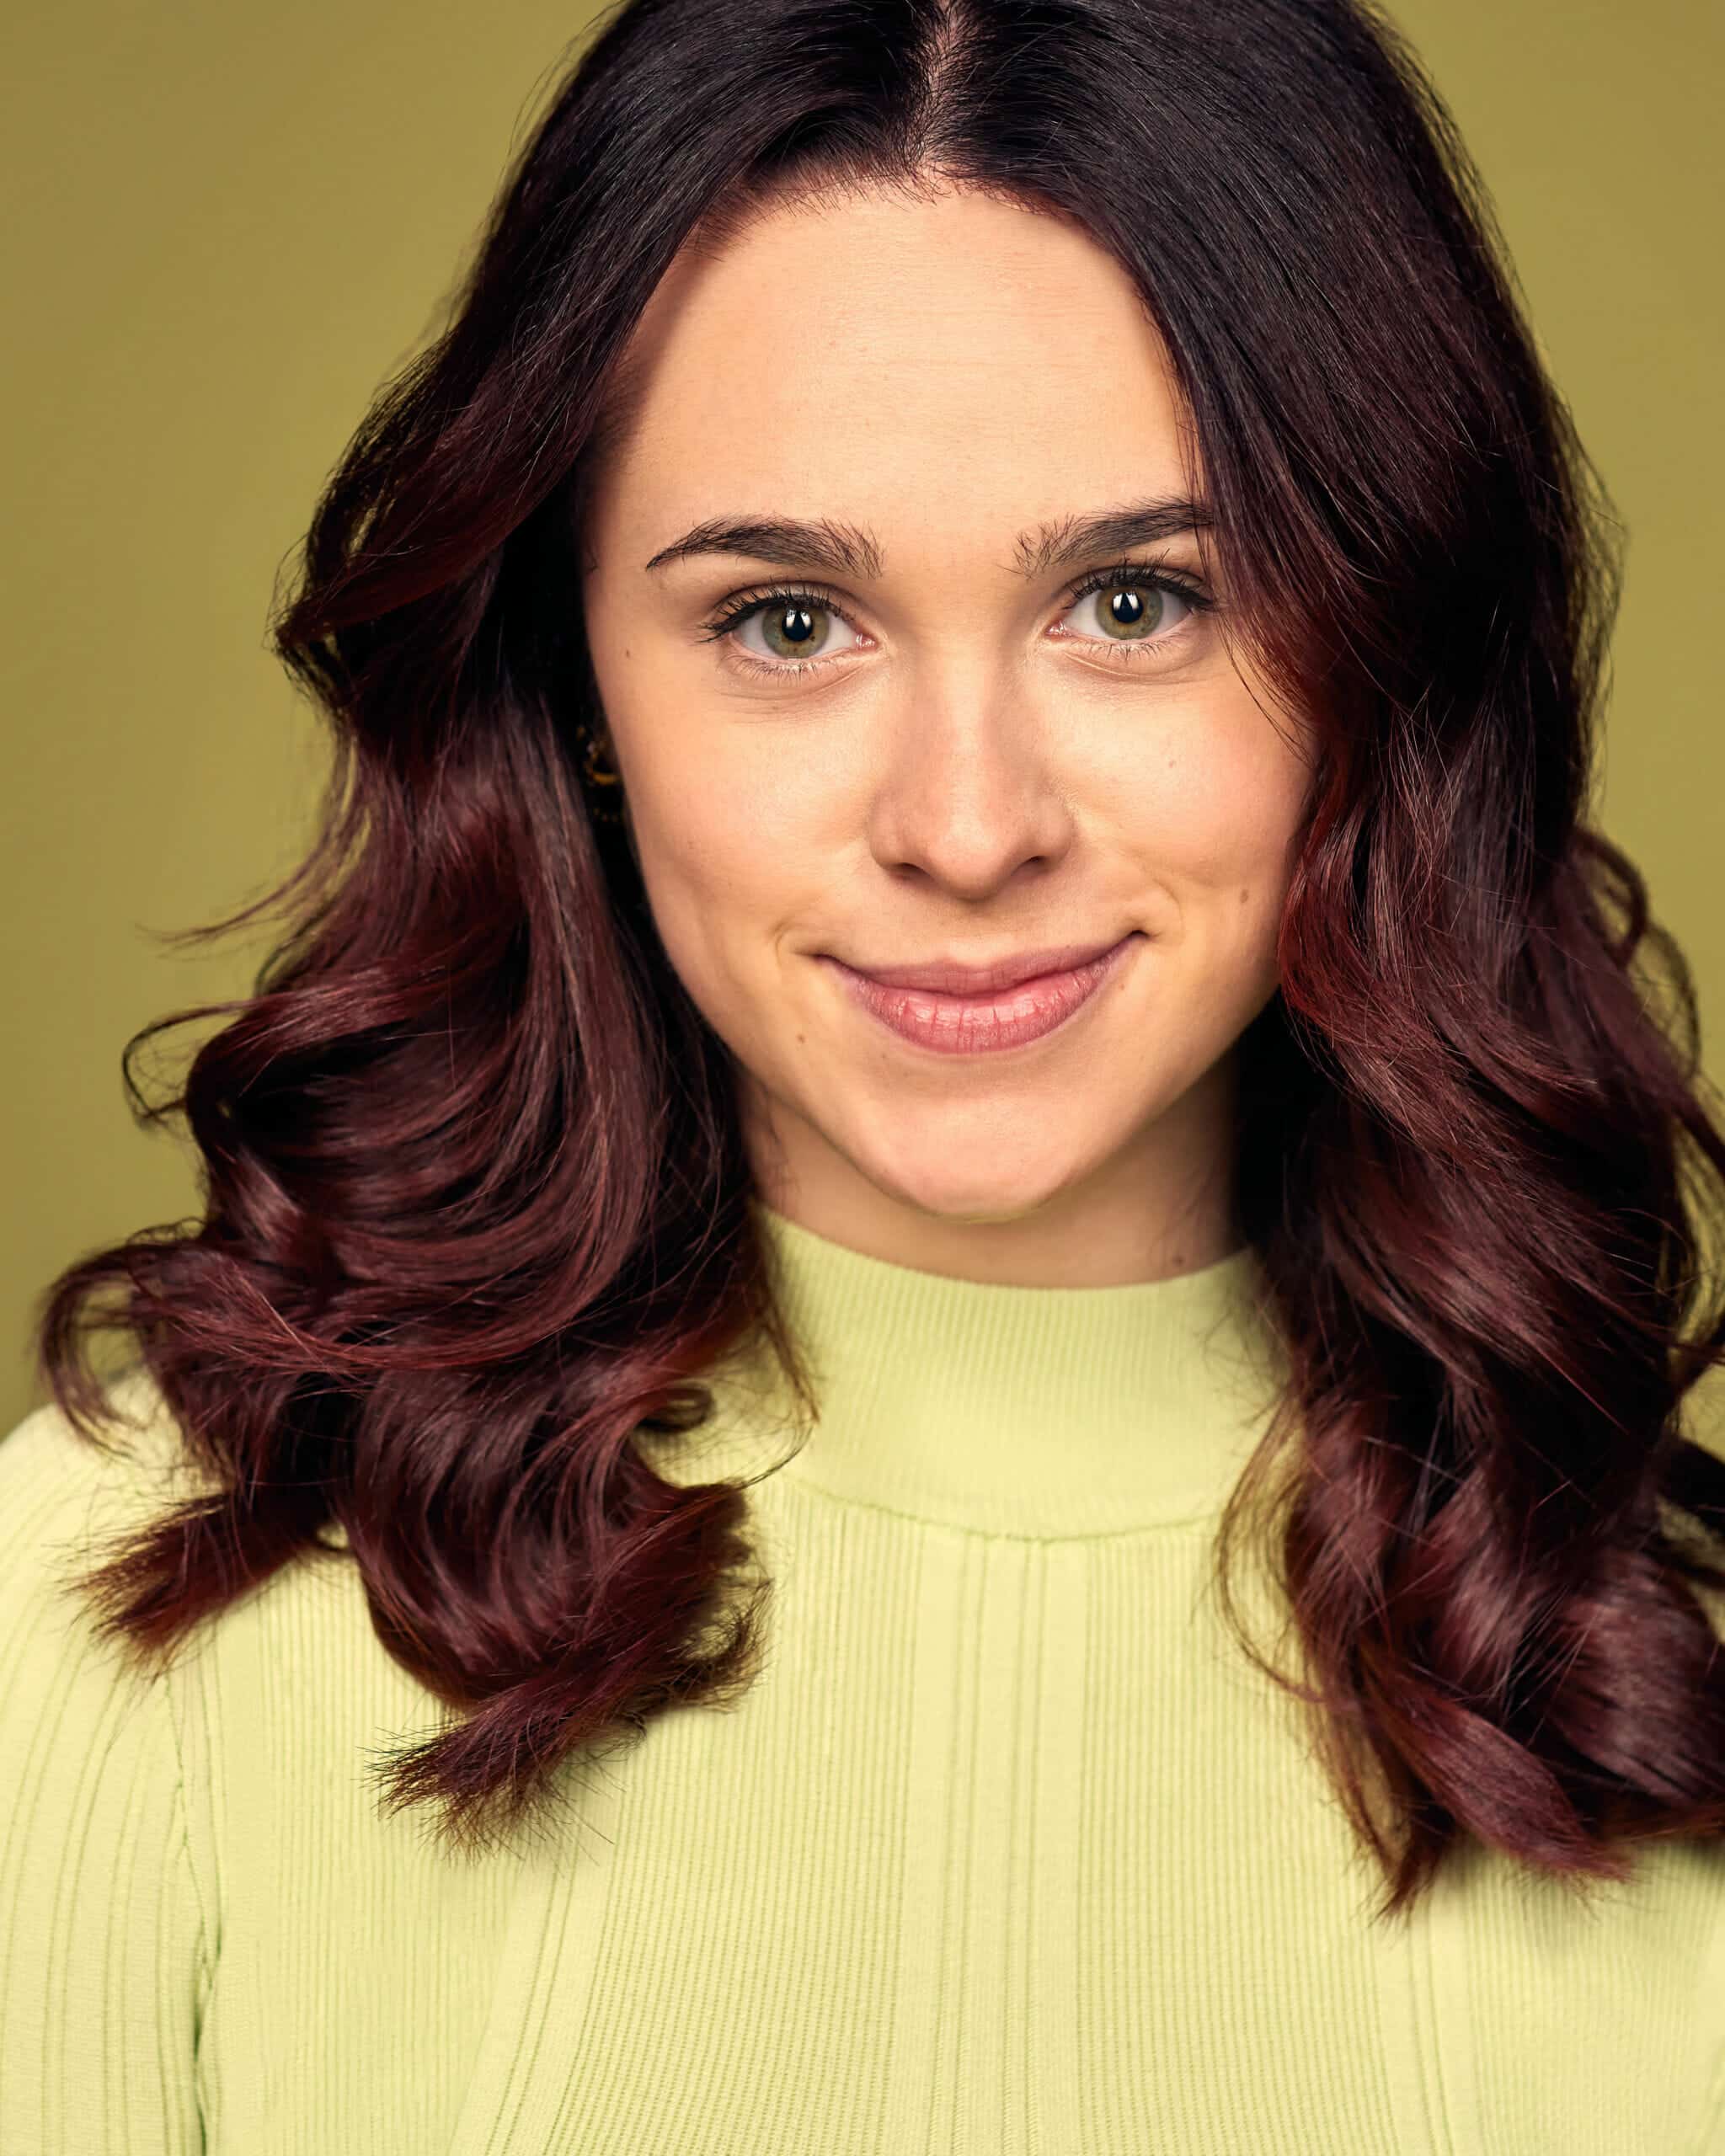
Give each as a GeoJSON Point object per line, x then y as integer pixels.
{"type": "Point", "coordinates": [228, 224]}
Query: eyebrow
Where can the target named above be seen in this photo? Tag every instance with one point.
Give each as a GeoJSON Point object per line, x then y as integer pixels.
{"type": "Point", "coordinates": [851, 550]}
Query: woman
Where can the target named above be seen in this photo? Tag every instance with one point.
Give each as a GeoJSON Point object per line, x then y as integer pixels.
{"type": "Point", "coordinates": [956, 990]}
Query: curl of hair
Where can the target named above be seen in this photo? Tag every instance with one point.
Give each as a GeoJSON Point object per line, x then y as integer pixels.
{"type": "Point", "coordinates": [475, 1196]}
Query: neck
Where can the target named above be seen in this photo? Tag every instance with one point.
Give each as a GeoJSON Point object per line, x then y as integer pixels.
{"type": "Point", "coordinates": [1018, 1409]}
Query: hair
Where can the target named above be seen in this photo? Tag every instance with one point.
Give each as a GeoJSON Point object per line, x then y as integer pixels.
{"type": "Point", "coordinates": [475, 1204]}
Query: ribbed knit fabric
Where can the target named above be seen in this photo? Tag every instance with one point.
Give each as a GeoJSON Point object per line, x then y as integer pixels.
{"type": "Point", "coordinates": [1007, 1851]}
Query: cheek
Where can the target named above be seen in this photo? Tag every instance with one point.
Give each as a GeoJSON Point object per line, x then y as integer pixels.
{"type": "Point", "coordinates": [1220, 818]}
{"type": "Point", "coordinates": [1214, 830]}
{"type": "Point", "coordinates": [716, 871]}
{"type": "Point", "coordinates": [741, 820]}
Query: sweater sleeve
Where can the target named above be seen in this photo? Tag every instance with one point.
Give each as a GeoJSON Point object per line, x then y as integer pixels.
{"type": "Point", "coordinates": [101, 1936]}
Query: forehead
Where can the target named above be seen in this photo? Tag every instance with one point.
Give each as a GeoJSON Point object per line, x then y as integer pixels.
{"type": "Point", "coordinates": [953, 349]}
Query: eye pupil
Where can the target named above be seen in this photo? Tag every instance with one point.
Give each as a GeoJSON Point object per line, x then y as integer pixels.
{"type": "Point", "coordinates": [1127, 610]}
{"type": "Point", "coordinates": [792, 627]}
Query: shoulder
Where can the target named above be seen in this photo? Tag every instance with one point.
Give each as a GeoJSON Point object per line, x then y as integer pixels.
{"type": "Point", "coordinates": [64, 1494]}
{"type": "Point", "coordinates": [95, 1869]}
{"type": "Point", "coordinates": [138, 1434]}
{"type": "Point", "coordinates": [68, 1501]}
{"type": "Point", "coordinates": [79, 1707]}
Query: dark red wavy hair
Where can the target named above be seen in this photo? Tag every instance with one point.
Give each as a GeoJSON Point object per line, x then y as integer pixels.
{"type": "Point", "coordinates": [475, 1200]}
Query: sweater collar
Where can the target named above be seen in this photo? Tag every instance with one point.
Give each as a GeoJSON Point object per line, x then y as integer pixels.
{"type": "Point", "coordinates": [1035, 1411]}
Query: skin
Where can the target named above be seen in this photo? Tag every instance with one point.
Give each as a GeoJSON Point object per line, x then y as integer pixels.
{"type": "Point", "coordinates": [970, 773]}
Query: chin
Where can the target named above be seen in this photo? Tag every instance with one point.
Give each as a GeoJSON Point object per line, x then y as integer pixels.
{"type": "Point", "coordinates": [946, 1193]}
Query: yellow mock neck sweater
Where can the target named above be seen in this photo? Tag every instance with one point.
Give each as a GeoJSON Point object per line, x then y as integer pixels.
{"type": "Point", "coordinates": [1007, 1851]}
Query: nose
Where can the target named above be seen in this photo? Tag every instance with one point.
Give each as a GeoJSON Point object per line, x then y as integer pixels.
{"type": "Point", "coordinates": [966, 797]}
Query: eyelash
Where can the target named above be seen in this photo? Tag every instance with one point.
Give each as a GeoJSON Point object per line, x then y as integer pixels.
{"type": "Point", "coordinates": [748, 604]}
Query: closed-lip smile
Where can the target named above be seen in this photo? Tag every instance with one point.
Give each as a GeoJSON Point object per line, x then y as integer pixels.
{"type": "Point", "coordinates": [956, 1009]}
{"type": "Point", "coordinates": [952, 977]}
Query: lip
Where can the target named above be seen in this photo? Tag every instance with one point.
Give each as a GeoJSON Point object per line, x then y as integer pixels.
{"type": "Point", "coordinates": [1003, 1005]}
{"type": "Point", "coordinates": [949, 977]}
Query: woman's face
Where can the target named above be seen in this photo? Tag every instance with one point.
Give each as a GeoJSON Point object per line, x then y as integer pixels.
{"type": "Point", "coordinates": [973, 764]}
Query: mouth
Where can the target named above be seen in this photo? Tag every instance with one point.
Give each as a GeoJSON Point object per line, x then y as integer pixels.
{"type": "Point", "coordinates": [957, 1010]}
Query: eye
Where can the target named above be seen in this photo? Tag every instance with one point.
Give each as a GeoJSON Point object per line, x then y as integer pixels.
{"type": "Point", "coordinates": [1129, 607]}
{"type": "Point", "coordinates": [796, 631]}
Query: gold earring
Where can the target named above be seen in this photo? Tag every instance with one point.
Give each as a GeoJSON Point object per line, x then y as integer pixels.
{"type": "Point", "coordinates": [598, 776]}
